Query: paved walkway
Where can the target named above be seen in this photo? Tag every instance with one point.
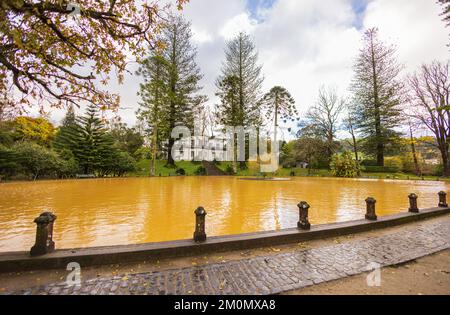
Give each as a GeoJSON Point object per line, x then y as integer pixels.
{"type": "Point", "coordinates": [276, 273]}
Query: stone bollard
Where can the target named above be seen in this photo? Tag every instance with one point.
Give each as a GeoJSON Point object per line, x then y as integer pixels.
{"type": "Point", "coordinates": [200, 234]}
{"type": "Point", "coordinates": [413, 203]}
{"type": "Point", "coordinates": [371, 214]}
{"type": "Point", "coordinates": [443, 200]}
{"type": "Point", "coordinates": [44, 234]}
{"type": "Point", "coordinates": [303, 223]}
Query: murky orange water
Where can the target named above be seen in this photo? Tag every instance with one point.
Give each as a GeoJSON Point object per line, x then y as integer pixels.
{"type": "Point", "coordinates": [131, 211]}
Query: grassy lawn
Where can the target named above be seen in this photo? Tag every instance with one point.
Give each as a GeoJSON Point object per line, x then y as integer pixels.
{"type": "Point", "coordinates": [143, 168]}
{"type": "Point", "coordinates": [253, 170]}
{"type": "Point", "coordinates": [402, 176]}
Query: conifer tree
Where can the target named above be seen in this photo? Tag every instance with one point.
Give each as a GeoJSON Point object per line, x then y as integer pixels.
{"type": "Point", "coordinates": [90, 143]}
{"type": "Point", "coordinates": [63, 136]}
{"type": "Point", "coordinates": [170, 90]}
{"type": "Point", "coordinates": [241, 64]}
{"type": "Point", "coordinates": [239, 86]}
{"type": "Point", "coordinates": [279, 104]}
{"type": "Point", "coordinates": [154, 95]}
{"type": "Point", "coordinates": [377, 94]}
{"type": "Point", "coordinates": [230, 113]}
{"type": "Point", "coordinates": [182, 80]}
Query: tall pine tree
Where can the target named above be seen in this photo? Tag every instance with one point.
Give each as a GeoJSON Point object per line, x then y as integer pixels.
{"type": "Point", "coordinates": [230, 113]}
{"type": "Point", "coordinates": [182, 80]}
{"type": "Point", "coordinates": [241, 65]}
{"type": "Point", "coordinates": [155, 98]}
{"type": "Point", "coordinates": [239, 87]}
{"type": "Point", "coordinates": [377, 94]}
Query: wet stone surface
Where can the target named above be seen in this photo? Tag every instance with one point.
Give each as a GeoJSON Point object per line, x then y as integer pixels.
{"type": "Point", "coordinates": [272, 274]}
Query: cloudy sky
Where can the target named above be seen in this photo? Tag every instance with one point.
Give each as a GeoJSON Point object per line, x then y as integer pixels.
{"type": "Point", "coordinates": [304, 44]}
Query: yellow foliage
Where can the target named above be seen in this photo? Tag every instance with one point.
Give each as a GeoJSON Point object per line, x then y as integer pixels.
{"type": "Point", "coordinates": [39, 130]}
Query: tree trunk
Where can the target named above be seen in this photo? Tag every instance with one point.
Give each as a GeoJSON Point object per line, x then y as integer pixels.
{"type": "Point", "coordinates": [354, 142]}
{"type": "Point", "coordinates": [235, 168]}
{"type": "Point", "coordinates": [413, 149]}
{"type": "Point", "coordinates": [445, 159]}
{"type": "Point", "coordinates": [173, 89]}
{"type": "Point", "coordinates": [380, 142]}
{"type": "Point", "coordinates": [380, 152]}
{"type": "Point", "coordinates": [242, 164]}
{"type": "Point", "coordinates": [355, 147]}
{"type": "Point", "coordinates": [275, 136]}
{"type": "Point", "coordinates": [330, 149]}
{"type": "Point", "coordinates": [154, 153]}
{"type": "Point", "coordinates": [258, 156]}
{"type": "Point", "coordinates": [170, 160]}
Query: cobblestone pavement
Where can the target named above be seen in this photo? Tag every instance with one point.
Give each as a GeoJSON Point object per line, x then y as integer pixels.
{"type": "Point", "coordinates": [277, 273]}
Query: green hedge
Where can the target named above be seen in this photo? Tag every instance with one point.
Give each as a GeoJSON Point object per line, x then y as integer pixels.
{"type": "Point", "coordinates": [381, 169]}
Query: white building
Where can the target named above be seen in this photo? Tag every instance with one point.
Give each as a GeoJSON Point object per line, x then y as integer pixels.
{"type": "Point", "coordinates": [202, 148]}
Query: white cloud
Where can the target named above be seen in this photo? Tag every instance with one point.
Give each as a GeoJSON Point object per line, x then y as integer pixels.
{"type": "Point", "coordinates": [413, 26]}
{"type": "Point", "coordinates": [239, 23]}
{"type": "Point", "coordinates": [201, 36]}
{"type": "Point", "coordinates": [306, 43]}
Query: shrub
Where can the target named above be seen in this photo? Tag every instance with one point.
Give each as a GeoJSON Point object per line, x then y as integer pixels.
{"type": "Point", "coordinates": [67, 164]}
{"type": "Point", "coordinates": [124, 163]}
{"type": "Point", "coordinates": [67, 168]}
{"type": "Point", "coordinates": [380, 169]}
{"type": "Point", "coordinates": [395, 163]}
{"type": "Point", "coordinates": [229, 170]}
{"type": "Point", "coordinates": [243, 166]}
{"type": "Point", "coordinates": [344, 165]}
{"type": "Point", "coordinates": [369, 163]}
{"type": "Point", "coordinates": [36, 161]}
{"type": "Point", "coordinates": [8, 162]}
{"type": "Point", "coordinates": [392, 165]}
{"type": "Point", "coordinates": [432, 170]}
{"type": "Point", "coordinates": [143, 153]}
{"type": "Point", "coordinates": [180, 172]}
{"type": "Point", "coordinates": [200, 171]}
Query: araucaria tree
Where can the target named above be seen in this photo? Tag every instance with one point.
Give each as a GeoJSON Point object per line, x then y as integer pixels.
{"type": "Point", "coordinates": [230, 113]}
{"type": "Point", "coordinates": [240, 82]}
{"type": "Point", "coordinates": [430, 100]}
{"type": "Point", "coordinates": [44, 42]}
{"type": "Point", "coordinates": [170, 92]}
{"type": "Point", "coordinates": [239, 87]}
{"type": "Point", "coordinates": [377, 94]}
{"type": "Point", "coordinates": [279, 104]}
{"type": "Point", "coordinates": [154, 95]}
{"type": "Point", "coordinates": [324, 117]}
